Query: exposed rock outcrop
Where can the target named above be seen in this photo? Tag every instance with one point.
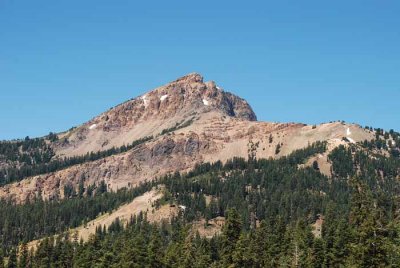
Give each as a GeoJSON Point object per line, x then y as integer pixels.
{"type": "Point", "coordinates": [184, 99]}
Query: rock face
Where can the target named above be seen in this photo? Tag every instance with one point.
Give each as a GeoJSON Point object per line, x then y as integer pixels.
{"type": "Point", "coordinates": [219, 126]}
{"type": "Point", "coordinates": [184, 99]}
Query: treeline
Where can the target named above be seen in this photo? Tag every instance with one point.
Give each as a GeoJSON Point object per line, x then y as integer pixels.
{"type": "Point", "coordinates": [384, 140]}
{"type": "Point", "coordinates": [27, 151]}
{"type": "Point", "coordinates": [378, 171]}
{"type": "Point", "coordinates": [17, 173]}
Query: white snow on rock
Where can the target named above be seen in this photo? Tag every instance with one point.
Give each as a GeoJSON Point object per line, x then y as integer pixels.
{"type": "Point", "coordinates": [351, 140]}
{"type": "Point", "coordinates": [93, 126]}
{"type": "Point", "coordinates": [145, 100]}
{"type": "Point", "coordinates": [206, 102]}
{"type": "Point", "coordinates": [182, 207]}
{"type": "Point", "coordinates": [218, 88]}
{"type": "Point", "coordinates": [348, 133]}
{"type": "Point", "coordinates": [163, 97]}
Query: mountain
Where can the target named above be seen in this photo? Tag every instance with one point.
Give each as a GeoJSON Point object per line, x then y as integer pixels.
{"type": "Point", "coordinates": [185, 176]}
{"type": "Point", "coordinates": [184, 123]}
{"type": "Point", "coordinates": [185, 99]}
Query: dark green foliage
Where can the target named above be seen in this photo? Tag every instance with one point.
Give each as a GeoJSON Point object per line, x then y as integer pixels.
{"type": "Point", "coordinates": [385, 140]}
{"type": "Point", "coordinates": [27, 151]}
{"type": "Point", "coordinates": [52, 137]}
{"type": "Point", "coordinates": [342, 161]}
{"type": "Point", "coordinates": [177, 126]}
{"type": "Point", "coordinates": [369, 246]}
{"type": "Point", "coordinates": [230, 236]}
{"type": "Point", "coordinates": [40, 218]}
{"type": "Point", "coordinates": [273, 244]}
{"type": "Point", "coordinates": [18, 157]}
{"type": "Point", "coordinates": [259, 188]}
{"type": "Point", "coordinates": [278, 148]}
{"type": "Point", "coordinates": [315, 165]}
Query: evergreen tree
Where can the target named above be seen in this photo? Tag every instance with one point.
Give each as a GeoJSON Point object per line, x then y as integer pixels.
{"type": "Point", "coordinates": [370, 243]}
{"type": "Point", "coordinates": [188, 257]}
{"type": "Point", "coordinates": [315, 165]}
{"type": "Point", "coordinates": [340, 246]}
{"type": "Point", "coordinates": [230, 235]}
{"type": "Point", "coordinates": [318, 253]}
{"type": "Point", "coordinates": [242, 256]}
{"type": "Point", "coordinates": [155, 252]}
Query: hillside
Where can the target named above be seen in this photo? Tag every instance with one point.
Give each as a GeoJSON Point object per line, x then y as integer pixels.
{"type": "Point", "coordinates": [183, 123]}
{"type": "Point", "coordinates": [256, 205]}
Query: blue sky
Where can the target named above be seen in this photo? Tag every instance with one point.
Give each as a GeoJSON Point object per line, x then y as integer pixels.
{"type": "Point", "coordinates": [63, 62]}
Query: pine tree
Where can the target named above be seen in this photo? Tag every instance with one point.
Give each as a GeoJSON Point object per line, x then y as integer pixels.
{"type": "Point", "coordinates": [230, 235]}
{"type": "Point", "coordinates": [136, 252]}
{"type": "Point", "coordinates": [203, 253]}
{"type": "Point", "coordinates": [278, 148]}
{"type": "Point", "coordinates": [318, 253]}
{"type": "Point", "coordinates": [241, 256]}
{"type": "Point", "coordinates": [303, 242]}
{"type": "Point", "coordinates": [155, 250]}
{"type": "Point", "coordinates": [173, 254]}
{"type": "Point", "coordinates": [370, 244]}
{"type": "Point", "coordinates": [107, 259]}
{"type": "Point", "coordinates": [315, 165]}
{"type": "Point", "coordinates": [188, 257]}
{"type": "Point", "coordinates": [341, 240]}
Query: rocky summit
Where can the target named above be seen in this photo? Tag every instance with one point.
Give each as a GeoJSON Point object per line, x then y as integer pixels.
{"type": "Point", "coordinates": [187, 98]}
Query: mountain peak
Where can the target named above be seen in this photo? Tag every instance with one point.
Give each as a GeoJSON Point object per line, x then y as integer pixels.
{"type": "Point", "coordinates": [189, 94]}
{"type": "Point", "coordinates": [191, 77]}
{"type": "Point", "coordinates": [185, 100]}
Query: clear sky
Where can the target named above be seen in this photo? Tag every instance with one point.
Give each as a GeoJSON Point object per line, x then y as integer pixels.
{"type": "Point", "coordinates": [63, 62]}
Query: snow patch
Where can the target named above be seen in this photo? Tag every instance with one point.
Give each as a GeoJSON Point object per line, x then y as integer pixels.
{"type": "Point", "coordinates": [206, 102]}
{"type": "Point", "coordinates": [93, 126]}
{"type": "Point", "coordinates": [351, 140]}
{"type": "Point", "coordinates": [348, 132]}
{"type": "Point", "coordinates": [218, 88]}
{"type": "Point", "coordinates": [163, 97]}
{"type": "Point", "coordinates": [145, 100]}
{"type": "Point", "coordinates": [182, 207]}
